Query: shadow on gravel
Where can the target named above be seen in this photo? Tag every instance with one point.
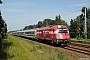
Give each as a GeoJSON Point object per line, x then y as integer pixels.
{"type": "Point", "coordinates": [3, 50]}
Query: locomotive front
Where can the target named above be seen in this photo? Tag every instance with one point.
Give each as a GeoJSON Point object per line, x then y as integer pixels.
{"type": "Point", "coordinates": [62, 34]}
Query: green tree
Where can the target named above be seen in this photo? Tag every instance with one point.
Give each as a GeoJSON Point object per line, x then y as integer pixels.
{"type": "Point", "coordinates": [88, 23]}
{"type": "Point", "coordinates": [57, 20]}
{"type": "Point", "coordinates": [77, 27]}
{"type": "Point", "coordinates": [78, 24]}
{"type": "Point", "coordinates": [29, 27]}
{"type": "Point", "coordinates": [39, 24]}
{"type": "Point", "coordinates": [73, 28]}
{"type": "Point", "coordinates": [47, 22]}
{"type": "Point", "coordinates": [3, 30]}
{"type": "Point", "coordinates": [1, 2]}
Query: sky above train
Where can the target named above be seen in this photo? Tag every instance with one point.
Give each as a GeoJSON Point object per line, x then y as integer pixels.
{"type": "Point", "coordinates": [21, 13]}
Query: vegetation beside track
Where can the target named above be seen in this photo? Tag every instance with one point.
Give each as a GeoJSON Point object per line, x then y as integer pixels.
{"type": "Point", "coordinates": [80, 39]}
{"type": "Point", "coordinates": [16, 48]}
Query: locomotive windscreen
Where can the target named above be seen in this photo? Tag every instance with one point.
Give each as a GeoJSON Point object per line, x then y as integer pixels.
{"type": "Point", "coordinates": [62, 30]}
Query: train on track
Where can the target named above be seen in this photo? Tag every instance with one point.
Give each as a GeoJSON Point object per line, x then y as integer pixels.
{"type": "Point", "coordinates": [58, 34]}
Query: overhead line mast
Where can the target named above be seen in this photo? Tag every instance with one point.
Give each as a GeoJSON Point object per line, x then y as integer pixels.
{"type": "Point", "coordinates": [85, 31]}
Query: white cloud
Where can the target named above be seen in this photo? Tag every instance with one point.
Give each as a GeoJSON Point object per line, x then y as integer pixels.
{"type": "Point", "coordinates": [50, 10]}
{"type": "Point", "coordinates": [18, 4]}
{"type": "Point", "coordinates": [15, 10]}
{"type": "Point", "coordinates": [78, 5]}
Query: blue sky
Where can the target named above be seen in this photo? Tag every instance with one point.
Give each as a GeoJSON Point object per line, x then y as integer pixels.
{"type": "Point", "coordinates": [20, 13]}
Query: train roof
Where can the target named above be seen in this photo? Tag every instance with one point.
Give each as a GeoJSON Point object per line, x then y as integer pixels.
{"type": "Point", "coordinates": [27, 30]}
{"type": "Point", "coordinates": [51, 26]}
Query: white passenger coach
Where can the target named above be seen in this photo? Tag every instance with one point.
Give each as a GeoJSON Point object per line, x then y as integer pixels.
{"type": "Point", "coordinates": [26, 33]}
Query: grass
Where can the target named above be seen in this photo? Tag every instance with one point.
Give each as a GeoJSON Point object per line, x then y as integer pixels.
{"type": "Point", "coordinates": [80, 39]}
{"type": "Point", "coordinates": [17, 49]}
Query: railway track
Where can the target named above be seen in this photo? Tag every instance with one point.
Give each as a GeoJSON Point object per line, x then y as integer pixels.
{"type": "Point", "coordinates": [79, 47]}
{"type": "Point", "coordinates": [74, 48]}
{"type": "Point", "coordinates": [85, 45]}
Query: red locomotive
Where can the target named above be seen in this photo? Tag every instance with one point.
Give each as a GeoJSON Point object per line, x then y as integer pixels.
{"type": "Point", "coordinates": [55, 33]}
{"type": "Point", "coordinates": [58, 34]}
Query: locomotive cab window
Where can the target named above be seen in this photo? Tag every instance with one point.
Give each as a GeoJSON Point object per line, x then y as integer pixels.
{"type": "Point", "coordinates": [62, 30]}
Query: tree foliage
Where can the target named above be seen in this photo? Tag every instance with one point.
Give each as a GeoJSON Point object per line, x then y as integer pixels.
{"type": "Point", "coordinates": [1, 2]}
{"type": "Point", "coordinates": [47, 22]}
{"type": "Point", "coordinates": [3, 29]}
{"type": "Point", "coordinates": [77, 24]}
